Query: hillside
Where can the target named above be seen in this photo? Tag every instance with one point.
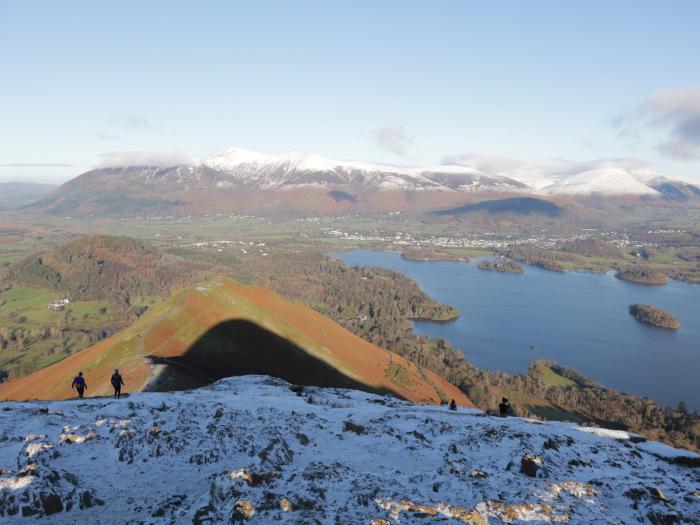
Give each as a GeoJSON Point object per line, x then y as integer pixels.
{"type": "Point", "coordinates": [224, 328]}
{"type": "Point", "coordinates": [515, 206]}
{"type": "Point", "coordinates": [58, 301]}
{"type": "Point", "coordinates": [241, 181]}
{"type": "Point", "coordinates": [253, 450]}
{"type": "Point", "coordinates": [104, 267]}
{"type": "Point", "coordinates": [112, 281]}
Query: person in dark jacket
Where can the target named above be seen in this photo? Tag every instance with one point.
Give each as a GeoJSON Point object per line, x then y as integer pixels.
{"type": "Point", "coordinates": [117, 383]}
{"type": "Point", "coordinates": [79, 384]}
{"type": "Point", "coordinates": [453, 405]}
{"type": "Point", "coordinates": [504, 407]}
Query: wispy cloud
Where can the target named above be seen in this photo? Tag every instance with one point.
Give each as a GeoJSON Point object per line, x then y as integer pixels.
{"type": "Point", "coordinates": [131, 122]}
{"type": "Point", "coordinates": [394, 139]}
{"type": "Point", "coordinates": [35, 165]}
{"type": "Point", "coordinates": [676, 112]}
{"type": "Point", "coordinates": [160, 159]}
{"type": "Point", "coordinates": [125, 124]}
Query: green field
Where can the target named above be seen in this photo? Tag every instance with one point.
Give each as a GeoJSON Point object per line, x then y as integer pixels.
{"type": "Point", "coordinates": [27, 307]}
{"type": "Point", "coordinates": [551, 378]}
{"type": "Point", "coordinates": [23, 299]}
{"type": "Point", "coordinates": [26, 321]}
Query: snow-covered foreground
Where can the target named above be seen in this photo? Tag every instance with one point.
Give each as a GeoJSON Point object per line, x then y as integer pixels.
{"type": "Point", "coordinates": [253, 450]}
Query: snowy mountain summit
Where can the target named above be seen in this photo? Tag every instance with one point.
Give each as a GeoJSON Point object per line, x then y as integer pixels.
{"type": "Point", "coordinates": [299, 169]}
{"type": "Point", "coordinates": [257, 450]}
{"type": "Point", "coordinates": [296, 183]}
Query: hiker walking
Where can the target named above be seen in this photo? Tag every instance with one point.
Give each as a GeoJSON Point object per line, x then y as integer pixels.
{"type": "Point", "coordinates": [453, 405]}
{"type": "Point", "coordinates": [117, 383]}
{"type": "Point", "coordinates": [504, 407]}
{"type": "Point", "coordinates": [79, 384]}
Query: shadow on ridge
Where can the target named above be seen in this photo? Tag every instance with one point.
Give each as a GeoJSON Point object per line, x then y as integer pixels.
{"type": "Point", "coordinates": [241, 347]}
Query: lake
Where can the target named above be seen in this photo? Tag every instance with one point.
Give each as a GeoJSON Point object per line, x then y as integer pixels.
{"type": "Point", "coordinates": [578, 319]}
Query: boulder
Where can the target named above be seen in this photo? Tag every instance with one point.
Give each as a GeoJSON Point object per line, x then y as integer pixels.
{"type": "Point", "coordinates": [530, 465]}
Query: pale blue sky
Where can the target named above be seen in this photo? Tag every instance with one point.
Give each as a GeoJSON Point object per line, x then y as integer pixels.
{"type": "Point", "coordinates": [391, 81]}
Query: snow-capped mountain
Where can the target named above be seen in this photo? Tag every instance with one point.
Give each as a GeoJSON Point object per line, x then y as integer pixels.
{"type": "Point", "coordinates": [297, 183]}
{"type": "Point", "coordinates": [298, 169]}
{"type": "Point", "coordinates": [602, 181]}
{"type": "Point", "coordinates": [250, 449]}
{"type": "Point", "coordinates": [614, 181]}
{"type": "Point", "coordinates": [619, 181]}
{"type": "Point", "coordinates": [611, 177]}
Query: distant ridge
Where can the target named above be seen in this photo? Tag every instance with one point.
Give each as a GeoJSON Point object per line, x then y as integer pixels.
{"type": "Point", "coordinates": [18, 194]}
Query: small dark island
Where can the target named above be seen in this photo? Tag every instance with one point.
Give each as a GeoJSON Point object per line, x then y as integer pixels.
{"type": "Point", "coordinates": [501, 266]}
{"type": "Point", "coordinates": [645, 313]}
{"type": "Point", "coordinates": [641, 275]}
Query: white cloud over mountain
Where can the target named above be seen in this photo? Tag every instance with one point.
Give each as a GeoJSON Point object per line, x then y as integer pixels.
{"type": "Point", "coordinates": [161, 159]}
{"type": "Point", "coordinates": [394, 139]}
{"type": "Point", "coordinates": [677, 113]}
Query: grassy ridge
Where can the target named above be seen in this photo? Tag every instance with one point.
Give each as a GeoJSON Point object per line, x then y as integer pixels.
{"type": "Point", "coordinates": [223, 328]}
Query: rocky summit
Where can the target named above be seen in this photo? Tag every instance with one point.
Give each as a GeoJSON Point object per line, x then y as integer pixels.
{"type": "Point", "coordinates": [259, 450]}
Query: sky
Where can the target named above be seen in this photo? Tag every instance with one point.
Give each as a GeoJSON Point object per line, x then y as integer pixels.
{"type": "Point", "coordinates": [400, 82]}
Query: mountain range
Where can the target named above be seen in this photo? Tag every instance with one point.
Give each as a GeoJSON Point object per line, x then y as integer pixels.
{"type": "Point", "coordinates": [239, 180]}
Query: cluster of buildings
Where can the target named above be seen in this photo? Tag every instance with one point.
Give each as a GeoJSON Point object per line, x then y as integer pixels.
{"type": "Point", "coordinates": [484, 240]}
{"type": "Point", "coordinates": [59, 304]}
{"type": "Point", "coordinates": [219, 246]}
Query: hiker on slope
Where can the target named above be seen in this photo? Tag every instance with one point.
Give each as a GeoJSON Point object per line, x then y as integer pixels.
{"type": "Point", "coordinates": [79, 384]}
{"type": "Point", "coordinates": [117, 383]}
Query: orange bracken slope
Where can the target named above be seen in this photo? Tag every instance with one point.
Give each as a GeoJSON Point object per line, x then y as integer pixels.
{"type": "Point", "coordinates": [225, 328]}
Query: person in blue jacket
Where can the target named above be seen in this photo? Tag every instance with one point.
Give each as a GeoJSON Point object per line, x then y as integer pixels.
{"type": "Point", "coordinates": [79, 384]}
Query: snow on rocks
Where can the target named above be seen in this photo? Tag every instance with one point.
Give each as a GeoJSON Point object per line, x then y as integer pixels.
{"type": "Point", "coordinates": [69, 437]}
{"type": "Point", "coordinates": [250, 450]}
{"type": "Point", "coordinates": [300, 169]}
{"type": "Point", "coordinates": [39, 491]}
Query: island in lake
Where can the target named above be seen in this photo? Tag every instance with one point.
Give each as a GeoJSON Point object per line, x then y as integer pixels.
{"type": "Point", "coordinates": [423, 254]}
{"type": "Point", "coordinates": [641, 275]}
{"type": "Point", "coordinates": [645, 313]}
{"type": "Point", "coordinates": [501, 266]}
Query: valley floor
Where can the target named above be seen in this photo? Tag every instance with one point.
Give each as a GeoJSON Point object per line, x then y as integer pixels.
{"type": "Point", "coordinates": [253, 449]}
